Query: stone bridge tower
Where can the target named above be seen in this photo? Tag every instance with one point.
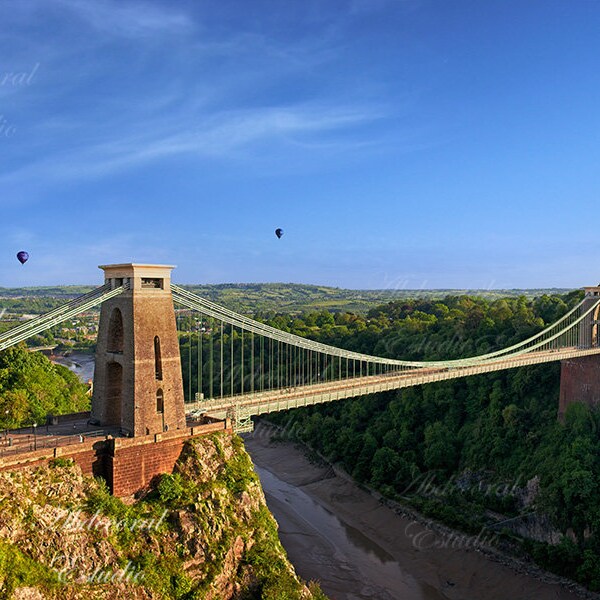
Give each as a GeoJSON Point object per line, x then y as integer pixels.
{"type": "Point", "coordinates": [137, 381]}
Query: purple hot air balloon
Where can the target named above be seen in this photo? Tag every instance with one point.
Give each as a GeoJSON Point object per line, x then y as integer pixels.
{"type": "Point", "coordinates": [23, 256]}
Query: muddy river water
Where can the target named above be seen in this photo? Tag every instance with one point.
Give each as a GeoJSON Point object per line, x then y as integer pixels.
{"type": "Point", "coordinates": [359, 549]}
{"type": "Point", "coordinates": [347, 563]}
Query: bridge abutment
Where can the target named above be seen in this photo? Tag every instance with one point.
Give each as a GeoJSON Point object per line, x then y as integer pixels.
{"type": "Point", "coordinates": [579, 382]}
{"type": "Point", "coordinates": [127, 465]}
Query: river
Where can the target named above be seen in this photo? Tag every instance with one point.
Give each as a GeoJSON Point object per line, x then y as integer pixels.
{"type": "Point", "coordinates": [347, 563]}
{"type": "Point", "coordinates": [80, 363]}
{"type": "Point", "coordinates": [359, 549]}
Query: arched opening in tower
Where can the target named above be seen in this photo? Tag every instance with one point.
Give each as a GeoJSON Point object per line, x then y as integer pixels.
{"type": "Point", "coordinates": [114, 393]}
{"type": "Point", "coordinates": [160, 402]}
{"type": "Point", "coordinates": [157, 359]}
{"type": "Point", "coordinates": [115, 332]}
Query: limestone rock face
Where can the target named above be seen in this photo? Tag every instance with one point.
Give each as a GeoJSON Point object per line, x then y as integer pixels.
{"type": "Point", "coordinates": [203, 531]}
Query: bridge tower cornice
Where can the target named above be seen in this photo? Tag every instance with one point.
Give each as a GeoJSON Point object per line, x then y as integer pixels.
{"type": "Point", "coordinates": [137, 276]}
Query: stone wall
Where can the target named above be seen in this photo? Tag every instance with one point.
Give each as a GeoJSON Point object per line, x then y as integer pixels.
{"type": "Point", "coordinates": [127, 464]}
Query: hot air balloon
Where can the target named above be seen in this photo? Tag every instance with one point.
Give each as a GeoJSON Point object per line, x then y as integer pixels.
{"type": "Point", "coordinates": [23, 257]}
{"type": "Point", "coordinates": [279, 232]}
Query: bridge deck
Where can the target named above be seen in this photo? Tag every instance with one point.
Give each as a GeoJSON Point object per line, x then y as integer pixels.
{"type": "Point", "coordinates": [272, 401]}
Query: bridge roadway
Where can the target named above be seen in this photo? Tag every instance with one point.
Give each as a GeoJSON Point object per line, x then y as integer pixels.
{"type": "Point", "coordinates": [258, 403]}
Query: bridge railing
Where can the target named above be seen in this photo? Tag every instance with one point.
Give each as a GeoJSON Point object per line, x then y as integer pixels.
{"type": "Point", "coordinates": [15, 443]}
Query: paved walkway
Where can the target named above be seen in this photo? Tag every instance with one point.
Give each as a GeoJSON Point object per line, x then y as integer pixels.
{"type": "Point", "coordinates": [68, 431]}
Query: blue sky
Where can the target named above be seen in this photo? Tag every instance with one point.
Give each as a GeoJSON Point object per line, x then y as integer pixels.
{"type": "Point", "coordinates": [398, 143]}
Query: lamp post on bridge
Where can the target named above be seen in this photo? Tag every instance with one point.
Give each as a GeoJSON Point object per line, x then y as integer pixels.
{"type": "Point", "coordinates": [34, 436]}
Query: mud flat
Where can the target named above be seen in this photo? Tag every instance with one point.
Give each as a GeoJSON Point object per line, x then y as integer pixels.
{"type": "Point", "coordinates": [359, 549]}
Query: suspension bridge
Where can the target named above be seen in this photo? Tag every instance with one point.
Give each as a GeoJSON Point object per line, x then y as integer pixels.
{"type": "Point", "coordinates": [236, 367]}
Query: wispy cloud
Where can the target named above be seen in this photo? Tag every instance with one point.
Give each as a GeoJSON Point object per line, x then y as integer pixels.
{"type": "Point", "coordinates": [128, 19]}
{"type": "Point", "coordinates": [218, 94]}
{"type": "Point", "coordinates": [222, 134]}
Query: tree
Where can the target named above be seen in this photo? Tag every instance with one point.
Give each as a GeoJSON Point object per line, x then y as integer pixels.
{"type": "Point", "coordinates": [440, 447]}
{"type": "Point", "coordinates": [31, 387]}
{"type": "Point", "coordinates": [384, 467]}
{"type": "Point", "coordinates": [362, 470]}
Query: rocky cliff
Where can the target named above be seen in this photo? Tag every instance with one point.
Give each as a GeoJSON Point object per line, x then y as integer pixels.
{"type": "Point", "coordinates": [202, 532]}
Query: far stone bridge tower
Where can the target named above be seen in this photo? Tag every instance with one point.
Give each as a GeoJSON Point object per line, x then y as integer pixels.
{"type": "Point", "coordinates": [137, 382]}
{"type": "Point", "coordinates": [580, 377]}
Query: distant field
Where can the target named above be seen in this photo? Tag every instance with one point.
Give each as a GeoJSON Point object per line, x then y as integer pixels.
{"type": "Point", "coordinates": [278, 297]}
